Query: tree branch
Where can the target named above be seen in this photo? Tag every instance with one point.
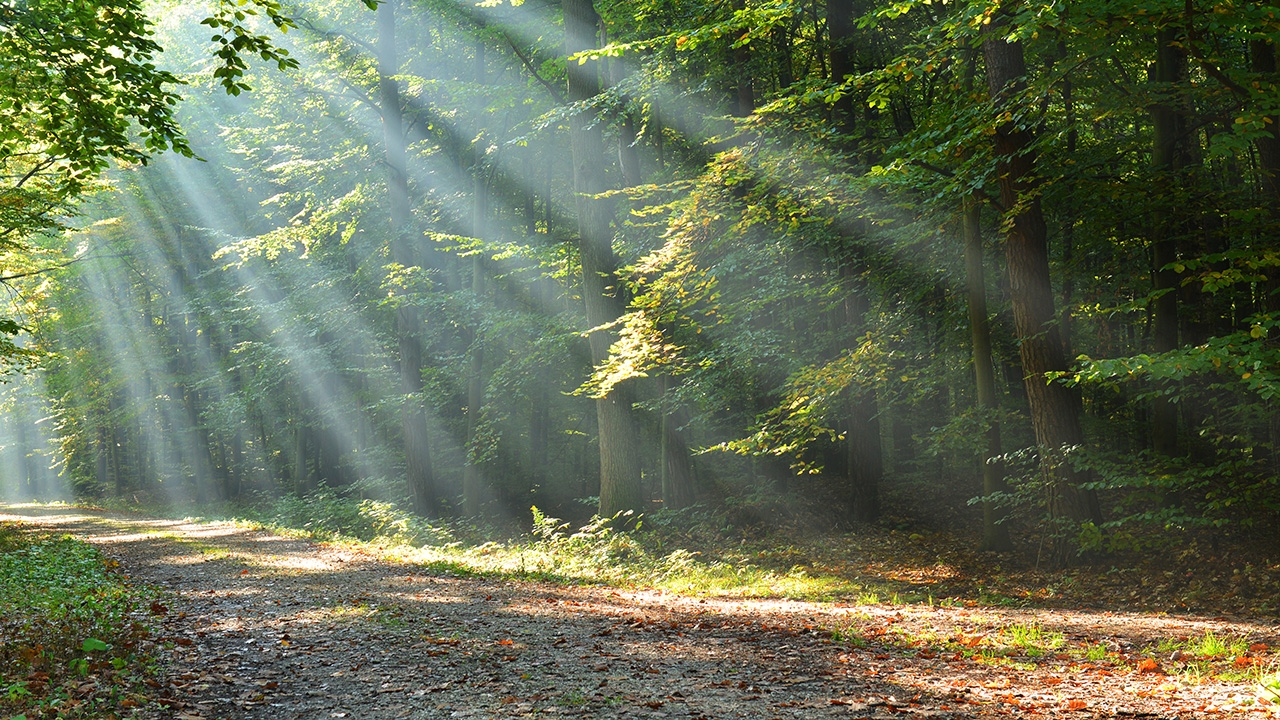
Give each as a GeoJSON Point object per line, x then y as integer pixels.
{"type": "Point", "coordinates": [981, 195]}
{"type": "Point", "coordinates": [555, 93]}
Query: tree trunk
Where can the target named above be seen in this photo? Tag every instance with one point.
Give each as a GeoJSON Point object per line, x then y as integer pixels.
{"type": "Point", "coordinates": [677, 471]}
{"type": "Point", "coordinates": [628, 156]}
{"type": "Point", "coordinates": [864, 458]}
{"type": "Point", "coordinates": [1066, 321]}
{"type": "Point", "coordinates": [620, 487]}
{"type": "Point", "coordinates": [1169, 157]}
{"type": "Point", "coordinates": [746, 94]}
{"type": "Point", "coordinates": [474, 483]}
{"type": "Point", "coordinates": [1262, 60]}
{"type": "Point", "coordinates": [841, 51]}
{"type": "Point", "coordinates": [995, 534]}
{"type": "Point", "coordinates": [419, 480]}
{"type": "Point", "coordinates": [1055, 408]}
{"type": "Point", "coordinates": [303, 483]}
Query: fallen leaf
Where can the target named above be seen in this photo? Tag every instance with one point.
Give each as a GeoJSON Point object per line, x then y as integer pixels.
{"type": "Point", "coordinates": [1149, 665]}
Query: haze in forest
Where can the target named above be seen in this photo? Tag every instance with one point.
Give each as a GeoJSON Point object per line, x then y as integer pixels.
{"type": "Point", "coordinates": [779, 264]}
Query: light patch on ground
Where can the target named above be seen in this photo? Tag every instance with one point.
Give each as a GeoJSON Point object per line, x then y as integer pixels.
{"type": "Point", "coordinates": [298, 563]}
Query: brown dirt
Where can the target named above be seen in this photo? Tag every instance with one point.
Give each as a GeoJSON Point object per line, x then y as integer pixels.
{"type": "Point", "coordinates": [263, 626]}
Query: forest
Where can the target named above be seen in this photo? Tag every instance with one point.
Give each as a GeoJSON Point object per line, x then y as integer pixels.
{"type": "Point", "coordinates": [712, 358]}
{"type": "Point", "coordinates": [784, 263]}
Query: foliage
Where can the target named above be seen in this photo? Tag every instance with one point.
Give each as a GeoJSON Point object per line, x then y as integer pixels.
{"type": "Point", "coordinates": [67, 616]}
{"type": "Point", "coordinates": [328, 515]}
{"type": "Point", "coordinates": [787, 208]}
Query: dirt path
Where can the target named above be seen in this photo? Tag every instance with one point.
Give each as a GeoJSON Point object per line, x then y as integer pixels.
{"type": "Point", "coordinates": [263, 626]}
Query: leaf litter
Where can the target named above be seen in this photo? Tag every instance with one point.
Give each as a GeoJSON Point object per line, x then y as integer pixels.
{"type": "Point", "coordinates": [260, 626]}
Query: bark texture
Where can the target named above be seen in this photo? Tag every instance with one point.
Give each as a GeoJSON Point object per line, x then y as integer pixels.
{"type": "Point", "coordinates": [1169, 157]}
{"type": "Point", "coordinates": [995, 534]}
{"type": "Point", "coordinates": [1055, 408]}
{"type": "Point", "coordinates": [620, 487]}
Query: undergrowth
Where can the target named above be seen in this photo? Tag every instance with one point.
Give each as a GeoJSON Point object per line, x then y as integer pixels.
{"type": "Point", "coordinates": [71, 631]}
{"type": "Point", "coordinates": [689, 552]}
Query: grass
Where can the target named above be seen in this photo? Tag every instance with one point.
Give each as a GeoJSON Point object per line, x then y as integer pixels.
{"type": "Point", "coordinates": [618, 553]}
{"type": "Point", "coordinates": [1032, 639]}
{"type": "Point", "coordinates": [686, 555]}
{"type": "Point", "coordinates": [1206, 647]}
{"type": "Point", "coordinates": [72, 632]}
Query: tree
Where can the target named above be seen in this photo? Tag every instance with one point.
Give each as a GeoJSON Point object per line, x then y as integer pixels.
{"type": "Point", "coordinates": [620, 488]}
{"type": "Point", "coordinates": [1055, 409]}
{"type": "Point", "coordinates": [419, 477]}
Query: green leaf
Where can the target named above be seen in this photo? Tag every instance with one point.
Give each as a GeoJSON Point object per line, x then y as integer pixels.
{"type": "Point", "coordinates": [93, 645]}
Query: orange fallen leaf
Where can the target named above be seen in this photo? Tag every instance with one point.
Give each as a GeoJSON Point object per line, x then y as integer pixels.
{"type": "Point", "coordinates": [506, 641]}
{"type": "Point", "coordinates": [1149, 665]}
{"type": "Point", "coordinates": [1052, 680]}
{"type": "Point", "coordinates": [1074, 705]}
{"type": "Point", "coordinates": [1258, 647]}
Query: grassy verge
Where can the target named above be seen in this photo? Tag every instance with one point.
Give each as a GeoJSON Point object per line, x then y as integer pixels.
{"type": "Point", "coordinates": [686, 553]}
{"type": "Point", "coordinates": [72, 638]}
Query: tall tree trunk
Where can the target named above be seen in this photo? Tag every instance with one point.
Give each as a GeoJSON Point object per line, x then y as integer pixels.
{"type": "Point", "coordinates": [863, 455]}
{"type": "Point", "coordinates": [1066, 320]}
{"type": "Point", "coordinates": [1055, 408]}
{"type": "Point", "coordinates": [677, 470]}
{"type": "Point", "coordinates": [841, 51]}
{"type": "Point", "coordinates": [419, 479]}
{"type": "Point", "coordinates": [1262, 60]}
{"type": "Point", "coordinates": [474, 482]}
{"type": "Point", "coordinates": [303, 479]}
{"type": "Point", "coordinates": [746, 94]}
{"type": "Point", "coordinates": [995, 534]}
{"type": "Point", "coordinates": [1169, 157]}
{"type": "Point", "coordinates": [864, 460]}
{"type": "Point", "coordinates": [620, 487]}
{"type": "Point", "coordinates": [628, 155]}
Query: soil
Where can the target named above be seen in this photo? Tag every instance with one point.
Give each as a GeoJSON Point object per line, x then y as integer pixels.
{"type": "Point", "coordinates": [255, 625]}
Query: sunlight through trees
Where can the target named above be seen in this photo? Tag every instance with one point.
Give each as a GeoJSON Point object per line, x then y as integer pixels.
{"type": "Point", "coordinates": [829, 260]}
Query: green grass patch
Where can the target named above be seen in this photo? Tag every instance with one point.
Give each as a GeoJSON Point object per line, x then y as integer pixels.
{"type": "Point", "coordinates": [1033, 640]}
{"type": "Point", "coordinates": [71, 631]}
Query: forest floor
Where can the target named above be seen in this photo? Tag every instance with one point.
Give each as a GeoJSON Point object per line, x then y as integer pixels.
{"type": "Point", "coordinates": [257, 625]}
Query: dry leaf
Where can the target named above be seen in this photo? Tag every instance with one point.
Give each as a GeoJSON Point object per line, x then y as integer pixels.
{"type": "Point", "coordinates": [1149, 665]}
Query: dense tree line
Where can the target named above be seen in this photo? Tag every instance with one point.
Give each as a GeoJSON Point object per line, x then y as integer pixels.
{"type": "Point", "coordinates": [760, 255]}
